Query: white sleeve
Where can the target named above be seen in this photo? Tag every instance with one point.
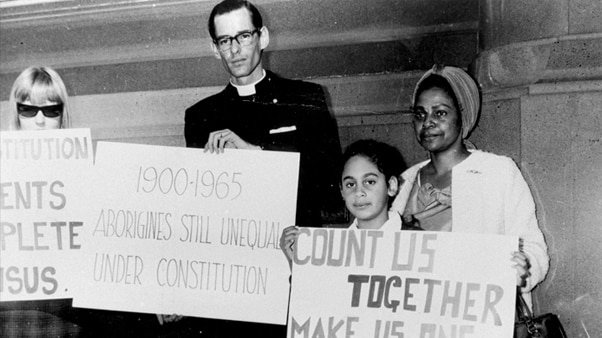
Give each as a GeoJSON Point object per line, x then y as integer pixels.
{"type": "Point", "coordinates": [520, 219]}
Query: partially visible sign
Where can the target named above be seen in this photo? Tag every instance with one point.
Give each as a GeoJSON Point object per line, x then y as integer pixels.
{"type": "Point", "coordinates": [43, 175]}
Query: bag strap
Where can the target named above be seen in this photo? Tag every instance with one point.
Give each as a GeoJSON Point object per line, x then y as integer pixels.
{"type": "Point", "coordinates": [525, 315]}
{"type": "Point", "coordinates": [522, 309]}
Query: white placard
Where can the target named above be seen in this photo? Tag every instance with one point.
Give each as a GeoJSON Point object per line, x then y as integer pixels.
{"type": "Point", "coordinates": [178, 230]}
{"type": "Point", "coordinates": [43, 175]}
{"type": "Point", "coordinates": [402, 284]}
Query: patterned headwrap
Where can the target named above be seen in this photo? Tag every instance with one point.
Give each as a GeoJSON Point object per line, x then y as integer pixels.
{"type": "Point", "coordinates": [465, 89]}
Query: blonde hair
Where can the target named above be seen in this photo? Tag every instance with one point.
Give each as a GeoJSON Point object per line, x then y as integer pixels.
{"type": "Point", "coordinates": [36, 84]}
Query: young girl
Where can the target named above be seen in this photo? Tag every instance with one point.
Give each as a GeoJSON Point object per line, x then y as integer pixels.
{"type": "Point", "coordinates": [369, 182]}
{"type": "Point", "coordinates": [38, 100]}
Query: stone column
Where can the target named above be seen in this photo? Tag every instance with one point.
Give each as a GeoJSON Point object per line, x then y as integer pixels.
{"type": "Point", "coordinates": [524, 42]}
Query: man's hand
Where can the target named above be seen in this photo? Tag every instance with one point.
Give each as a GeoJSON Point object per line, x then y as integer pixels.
{"type": "Point", "coordinates": [225, 138]}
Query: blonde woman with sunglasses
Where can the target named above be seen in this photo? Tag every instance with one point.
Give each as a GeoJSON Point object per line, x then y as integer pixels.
{"type": "Point", "coordinates": [38, 100]}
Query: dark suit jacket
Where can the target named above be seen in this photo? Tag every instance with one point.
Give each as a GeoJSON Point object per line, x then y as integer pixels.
{"type": "Point", "coordinates": [284, 115]}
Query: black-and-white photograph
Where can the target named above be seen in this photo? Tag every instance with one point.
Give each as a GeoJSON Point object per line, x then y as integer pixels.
{"type": "Point", "coordinates": [301, 168]}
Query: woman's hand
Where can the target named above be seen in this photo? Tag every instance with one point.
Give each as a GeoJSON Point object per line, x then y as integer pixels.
{"type": "Point", "coordinates": [287, 241]}
{"type": "Point", "coordinates": [522, 267]}
{"type": "Point", "coordinates": [225, 138]}
{"type": "Point", "coordinates": [168, 318]}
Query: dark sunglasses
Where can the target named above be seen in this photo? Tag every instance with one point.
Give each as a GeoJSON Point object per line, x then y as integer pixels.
{"type": "Point", "coordinates": [48, 111]}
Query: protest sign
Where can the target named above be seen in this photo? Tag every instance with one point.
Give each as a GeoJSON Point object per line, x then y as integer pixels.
{"type": "Point", "coordinates": [42, 179]}
{"type": "Point", "coordinates": [415, 284]}
{"type": "Point", "coordinates": [178, 230]}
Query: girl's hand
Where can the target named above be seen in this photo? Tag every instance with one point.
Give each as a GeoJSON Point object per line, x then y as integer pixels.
{"type": "Point", "coordinates": [522, 267]}
{"type": "Point", "coordinates": [287, 241]}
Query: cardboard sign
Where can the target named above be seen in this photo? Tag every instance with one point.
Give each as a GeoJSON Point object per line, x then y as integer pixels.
{"type": "Point", "coordinates": [42, 176]}
{"type": "Point", "coordinates": [178, 230]}
{"type": "Point", "coordinates": [419, 284]}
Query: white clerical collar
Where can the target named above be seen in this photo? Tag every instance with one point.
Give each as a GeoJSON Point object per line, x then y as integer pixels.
{"type": "Point", "coordinates": [249, 89]}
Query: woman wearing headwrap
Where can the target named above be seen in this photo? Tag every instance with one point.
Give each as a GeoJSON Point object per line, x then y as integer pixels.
{"type": "Point", "coordinates": [461, 189]}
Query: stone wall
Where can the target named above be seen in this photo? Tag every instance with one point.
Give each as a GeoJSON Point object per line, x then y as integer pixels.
{"type": "Point", "coordinates": [540, 66]}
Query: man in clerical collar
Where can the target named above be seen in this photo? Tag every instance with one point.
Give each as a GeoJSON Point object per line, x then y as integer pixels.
{"type": "Point", "coordinates": [259, 110]}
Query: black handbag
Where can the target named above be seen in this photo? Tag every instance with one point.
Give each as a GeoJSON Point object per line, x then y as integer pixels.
{"type": "Point", "coordinates": [544, 326]}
